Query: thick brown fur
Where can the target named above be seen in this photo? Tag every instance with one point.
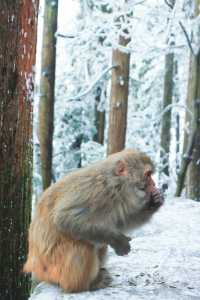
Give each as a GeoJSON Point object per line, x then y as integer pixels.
{"type": "Point", "coordinates": [77, 217]}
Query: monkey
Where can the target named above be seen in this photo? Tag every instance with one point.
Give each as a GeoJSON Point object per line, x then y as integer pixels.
{"type": "Point", "coordinates": [86, 211]}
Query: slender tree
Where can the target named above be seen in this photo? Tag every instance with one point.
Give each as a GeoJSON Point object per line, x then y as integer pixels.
{"type": "Point", "coordinates": [17, 57]}
{"type": "Point", "coordinates": [47, 85]}
{"type": "Point", "coordinates": [118, 99]}
{"type": "Point", "coordinates": [177, 118]}
{"type": "Point", "coordinates": [166, 120]}
{"type": "Point", "coordinates": [167, 101]}
{"type": "Point", "coordinates": [99, 117]}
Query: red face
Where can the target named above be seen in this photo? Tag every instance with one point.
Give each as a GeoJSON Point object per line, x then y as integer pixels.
{"type": "Point", "coordinates": [155, 196]}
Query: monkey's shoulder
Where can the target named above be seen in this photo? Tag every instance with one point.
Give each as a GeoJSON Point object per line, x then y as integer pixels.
{"type": "Point", "coordinates": [74, 187]}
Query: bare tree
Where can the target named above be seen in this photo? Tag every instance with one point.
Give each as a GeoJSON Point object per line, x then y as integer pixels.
{"type": "Point", "coordinates": [17, 57]}
{"type": "Point", "coordinates": [47, 85]}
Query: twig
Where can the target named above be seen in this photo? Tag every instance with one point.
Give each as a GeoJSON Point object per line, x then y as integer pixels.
{"type": "Point", "coordinates": [169, 4]}
{"type": "Point", "coordinates": [65, 36]}
{"type": "Point", "coordinates": [169, 107]}
{"type": "Point", "coordinates": [187, 38]}
{"type": "Point", "coordinates": [90, 88]}
{"type": "Point", "coordinates": [133, 3]}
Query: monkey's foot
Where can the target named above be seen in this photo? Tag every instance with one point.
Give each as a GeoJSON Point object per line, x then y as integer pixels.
{"type": "Point", "coordinates": [102, 281]}
{"type": "Point", "coordinates": [121, 245]}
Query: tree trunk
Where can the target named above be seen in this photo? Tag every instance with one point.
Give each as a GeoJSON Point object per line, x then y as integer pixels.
{"type": "Point", "coordinates": [166, 120]}
{"type": "Point", "coordinates": [47, 85]}
{"type": "Point", "coordinates": [118, 99]}
{"type": "Point", "coordinates": [99, 118]}
{"type": "Point", "coordinates": [177, 142]}
{"type": "Point", "coordinates": [17, 58]}
{"type": "Point", "coordinates": [177, 118]}
{"type": "Point", "coordinates": [189, 138]}
{"type": "Point", "coordinates": [191, 160]}
{"type": "Point", "coordinates": [193, 186]}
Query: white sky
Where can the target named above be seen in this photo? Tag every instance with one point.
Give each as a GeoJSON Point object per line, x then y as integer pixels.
{"type": "Point", "coordinates": [68, 9]}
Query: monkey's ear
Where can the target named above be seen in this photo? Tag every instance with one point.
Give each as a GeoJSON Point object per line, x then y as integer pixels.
{"type": "Point", "coordinates": [121, 168]}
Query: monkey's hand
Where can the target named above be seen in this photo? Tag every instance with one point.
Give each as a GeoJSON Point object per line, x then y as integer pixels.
{"type": "Point", "coordinates": [120, 244]}
{"type": "Point", "coordinates": [81, 224]}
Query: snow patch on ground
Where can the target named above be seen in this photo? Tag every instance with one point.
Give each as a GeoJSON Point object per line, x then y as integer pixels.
{"type": "Point", "coordinates": [164, 263]}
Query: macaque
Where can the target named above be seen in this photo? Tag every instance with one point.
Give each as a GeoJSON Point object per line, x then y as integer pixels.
{"type": "Point", "coordinates": [84, 212]}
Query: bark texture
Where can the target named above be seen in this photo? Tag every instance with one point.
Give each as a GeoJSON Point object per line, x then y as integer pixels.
{"type": "Point", "coordinates": [47, 86]}
{"type": "Point", "coordinates": [17, 57]}
{"type": "Point", "coordinates": [118, 99]}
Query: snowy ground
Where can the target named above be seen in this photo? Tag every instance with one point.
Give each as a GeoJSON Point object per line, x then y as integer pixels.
{"type": "Point", "coordinates": [164, 263]}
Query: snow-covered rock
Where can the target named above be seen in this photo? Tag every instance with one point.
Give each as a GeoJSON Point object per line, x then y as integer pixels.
{"type": "Point", "coordinates": [164, 263]}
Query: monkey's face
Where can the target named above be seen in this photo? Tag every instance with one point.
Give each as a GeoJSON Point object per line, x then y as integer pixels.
{"type": "Point", "coordinates": [141, 189]}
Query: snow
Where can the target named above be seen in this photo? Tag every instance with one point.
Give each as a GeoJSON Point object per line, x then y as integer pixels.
{"type": "Point", "coordinates": [162, 265]}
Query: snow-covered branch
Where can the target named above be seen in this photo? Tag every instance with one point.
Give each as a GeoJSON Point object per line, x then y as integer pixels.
{"type": "Point", "coordinates": [187, 38]}
{"type": "Point", "coordinates": [91, 87]}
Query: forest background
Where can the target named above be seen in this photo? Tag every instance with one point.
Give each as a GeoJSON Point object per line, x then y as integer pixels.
{"type": "Point", "coordinates": [109, 75]}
